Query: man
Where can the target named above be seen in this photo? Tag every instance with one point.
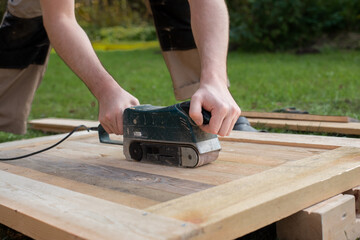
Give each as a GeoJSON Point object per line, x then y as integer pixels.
{"type": "Point", "coordinates": [210, 29]}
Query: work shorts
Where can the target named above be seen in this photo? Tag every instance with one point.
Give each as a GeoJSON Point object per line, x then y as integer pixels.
{"type": "Point", "coordinates": [24, 51]}
{"type": "Point", "coordinates": [173, 26]}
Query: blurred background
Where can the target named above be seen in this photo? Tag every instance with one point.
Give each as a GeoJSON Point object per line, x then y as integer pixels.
{"type": "Point", "coordinates": [256, 25]}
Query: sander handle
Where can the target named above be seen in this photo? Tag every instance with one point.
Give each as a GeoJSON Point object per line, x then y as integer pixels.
{"type": "Point", "coordinates": [105, 138]}
{"type": "Point", "coordinates": [185, 106]}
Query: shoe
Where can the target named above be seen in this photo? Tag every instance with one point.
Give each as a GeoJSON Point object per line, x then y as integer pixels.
{"type": "Point", "coordinates": [242, 124]}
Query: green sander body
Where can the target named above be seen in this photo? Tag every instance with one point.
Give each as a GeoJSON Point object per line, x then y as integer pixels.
{"type": "Point", "coordinates": [167, 136]}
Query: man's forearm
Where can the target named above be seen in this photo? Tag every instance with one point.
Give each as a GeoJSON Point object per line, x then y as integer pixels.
{"type": "Point", "coordinates": [210, 26]}
{"type": "Point", "coordinates": [74, 47]}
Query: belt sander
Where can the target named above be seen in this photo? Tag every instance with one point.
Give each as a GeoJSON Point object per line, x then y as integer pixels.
{"type": "Point", "coordinates": [165, 135]}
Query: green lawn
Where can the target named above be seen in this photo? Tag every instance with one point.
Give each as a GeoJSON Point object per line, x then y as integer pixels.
{"type": "Point", "coordinates": [326, 83]}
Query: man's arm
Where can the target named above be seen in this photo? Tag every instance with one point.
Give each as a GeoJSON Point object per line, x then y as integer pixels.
{"type": "Point", "coordinates": [210, 26]}
{"type": "Point", "coordinates": [74, 47]}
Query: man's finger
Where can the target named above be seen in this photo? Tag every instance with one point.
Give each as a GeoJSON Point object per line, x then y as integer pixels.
{"type": "Point", "coordinates": [195, 112]}
{"type": "Point", "coordinates": [225, 126]}
{"type": "Point", "coordinates": [119, 124]}
{"type": "Point", "coordinates": [216, 121]}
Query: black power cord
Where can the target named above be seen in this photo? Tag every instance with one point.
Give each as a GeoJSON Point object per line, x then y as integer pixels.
{"type": "Point", "coordinates": [52, 146]}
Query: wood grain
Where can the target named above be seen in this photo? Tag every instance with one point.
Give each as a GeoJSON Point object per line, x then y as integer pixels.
{"type": "Point", "coordinates": [294, 116]}
{"type": "Point", "coordinates": [43, 211]}
{"type": "Point", "coordinates": [258, 179]}
{"type": "Point", "coordinates": [333, 218]}
{"type": "Point", "coordinates": [258, 200]}
{"type": "Point", "coordinates": [352, 128]}
{"type": "Point", "coordinates": [294, 140]}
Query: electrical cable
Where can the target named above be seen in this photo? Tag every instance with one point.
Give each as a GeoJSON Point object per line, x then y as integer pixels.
{"type": "Point", "coordinates": [52, 146]}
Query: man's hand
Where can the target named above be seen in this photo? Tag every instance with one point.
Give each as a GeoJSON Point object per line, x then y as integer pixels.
{"type": "Point", "coordinates": [74, 47]}
{"type": "Point", "coordinates": [111, 108]}
{"type": "Point", "coordinates": [218, 101]}
{"type": "Point", "coordinates": [210, 25]}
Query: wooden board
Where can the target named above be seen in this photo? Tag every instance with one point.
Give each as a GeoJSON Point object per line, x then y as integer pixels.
{"type": "Point", "coordinates": [86, 190]}
{"type": "Point", "coordinates": [301, 117]}
{"type": "Point", "coordinates": [352, 128]}
{"type": "Point", "coordinates": [60, 125]}
{"type": "Point", "coordinates": [333, 218]}
{"type": "Point", "coordinates": [333, 124]}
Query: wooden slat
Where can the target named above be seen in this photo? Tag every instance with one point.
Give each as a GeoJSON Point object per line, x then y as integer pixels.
{"type": "Point", "coordinates": [302, 117]}
{"type": "Point", "coordinates": [239, 207]}
{"type": "Point", "coordinates": [143, 184]}
{"type": "Point", "coordinates": [40, 142]}
{"type": "Point", "coordinates": [352, 128]}
{"type": "Point", "coordinates": [43, 211]}
{"type": "Point", "coordinates": [127, 199]}
{"type": "Point", "coordinates": [295, 140]}
{"type": "Point", "coordinates": [60, 125]}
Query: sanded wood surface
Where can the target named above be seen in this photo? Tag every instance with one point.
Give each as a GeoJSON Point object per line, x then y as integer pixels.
{"type": "Point", "coordinates": [251, 178]}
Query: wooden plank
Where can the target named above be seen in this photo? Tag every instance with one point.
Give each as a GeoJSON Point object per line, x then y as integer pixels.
{"type": "Point", "coordinates": [352, 128]}
{"type": "Point", "coordinates": [242, 206]}
{"type": "Point", "coordinates": [126, 199]}
{"type": "Point", "coordinates": [143, 184]}
{"type": "Point", "coordinates": [40, 142]}
{"type": "Point", "coordinates": [43, 211]}
{"type": "Point", "coordinates": [236, 160]}
{"type": "Point", "coordinates": [334, 218]}
{"type": "Point", "coordinates": [60, 125]}
{"type": "Point", "coordinates": [297, 140]}
{"type": "Point", "coordinates": [301, 117]}
{"type": "Point", "coordinates": [294, 140]}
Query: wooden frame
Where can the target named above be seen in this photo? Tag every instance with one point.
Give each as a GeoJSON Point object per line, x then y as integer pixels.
{"type": "Point", "coordinates": [45, 203]}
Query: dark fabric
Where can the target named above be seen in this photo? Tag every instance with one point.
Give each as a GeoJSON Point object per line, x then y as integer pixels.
{"type": "Point", "coordinates": [22, 42]}
{"type": "Point", "coordinates": [173, 26]}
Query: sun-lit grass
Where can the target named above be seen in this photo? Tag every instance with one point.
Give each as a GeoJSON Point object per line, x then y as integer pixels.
{"type": "Point", "coordinates": [326, 83]}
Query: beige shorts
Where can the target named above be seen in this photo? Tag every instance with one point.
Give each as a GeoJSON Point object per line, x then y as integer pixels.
{"type": "Point", "coordinates": [17, 89]}
{"type": "Point", "coordinates": [178, 46]}
{"type": "Point", "coordinates": [18, 86]}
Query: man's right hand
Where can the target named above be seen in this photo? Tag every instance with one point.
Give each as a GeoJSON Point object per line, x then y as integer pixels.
{"type": "Point", "coordinates": [112, 105]}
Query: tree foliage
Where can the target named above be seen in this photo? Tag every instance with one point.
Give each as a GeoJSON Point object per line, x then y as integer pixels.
{"type": "Point", "coordinates": [109, 13]}
{"type": "Point", "coordinates": [2, 8]}
{"type": "Point", "coordinates": [284, 24]}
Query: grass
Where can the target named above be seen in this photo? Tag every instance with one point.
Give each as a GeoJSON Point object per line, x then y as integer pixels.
{"type": "Point", "coordinates": [325, 84]}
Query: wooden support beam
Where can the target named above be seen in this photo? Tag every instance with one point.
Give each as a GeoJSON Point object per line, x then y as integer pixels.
{"type": "Point", "coordinates": [242, 206]}
{"type": "Point", "coordinates": [43, 211]}
{"type": "Point", "coordinates": [334, 218]}
{"type": "Point", "coordinates": [356, 193]}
